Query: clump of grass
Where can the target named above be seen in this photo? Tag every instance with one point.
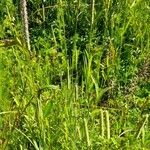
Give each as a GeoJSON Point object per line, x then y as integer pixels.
{"type": "Point", "coordinates": [87, 84]}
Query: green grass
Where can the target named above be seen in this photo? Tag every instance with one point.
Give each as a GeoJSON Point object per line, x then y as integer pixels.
{"type": "Point", "coordinates": [86, 85]}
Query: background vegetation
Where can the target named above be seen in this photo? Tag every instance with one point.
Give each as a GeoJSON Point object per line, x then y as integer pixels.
{"type": "Point", "coordinates": [87, 83]}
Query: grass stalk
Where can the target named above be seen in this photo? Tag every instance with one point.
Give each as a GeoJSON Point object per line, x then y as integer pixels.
{"type": "Point", "coordinates": [92, 13]}
{"type": "Point", "coordinates": [25, 24]}
{"type": "Point", "coordinates": [142, 127]}
{"type": "Point", "coordinates": [102, 123]}
{"type": "Point", "coordinates": [107, 124]}
{"type": "Point", "coordinates": [87, 133]}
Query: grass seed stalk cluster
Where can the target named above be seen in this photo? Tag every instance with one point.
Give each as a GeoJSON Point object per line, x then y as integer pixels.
{"type": "Point", "coordinates": [86, 84]}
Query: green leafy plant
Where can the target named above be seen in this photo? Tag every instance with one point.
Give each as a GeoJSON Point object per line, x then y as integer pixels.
{"type": "Point", "coordinates": [86, 84]}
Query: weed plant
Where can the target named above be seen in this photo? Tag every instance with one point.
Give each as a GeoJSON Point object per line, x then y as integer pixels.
{"type": "Point", "coordinates": [86, 85]}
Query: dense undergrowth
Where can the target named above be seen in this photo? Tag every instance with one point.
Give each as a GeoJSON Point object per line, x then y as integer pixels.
{"type": "Point", "coordinates": [87, 83]}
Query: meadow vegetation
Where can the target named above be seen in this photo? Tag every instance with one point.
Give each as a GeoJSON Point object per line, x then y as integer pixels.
{"type": "Point", "coordinates": [85, 84]}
